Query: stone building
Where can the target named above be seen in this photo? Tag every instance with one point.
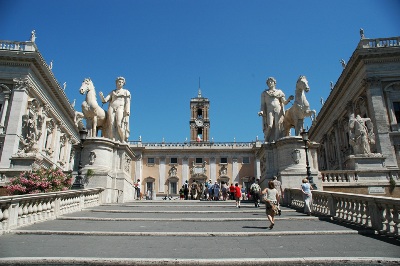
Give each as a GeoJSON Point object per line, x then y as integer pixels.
{"type": "Point", "coordinates": [354, 144]}
{"type": "Point", "coordinates": [163, 168]}
{"type": "Point", "coordinates": [358, 125]}
{"type": "Point", "coordinates": [36, 118]}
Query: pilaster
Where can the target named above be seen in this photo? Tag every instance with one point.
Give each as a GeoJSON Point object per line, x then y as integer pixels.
{"type": "Point", "coordinates": [380, 119]}
{"type": "Point", "coordinates": [14, 125]}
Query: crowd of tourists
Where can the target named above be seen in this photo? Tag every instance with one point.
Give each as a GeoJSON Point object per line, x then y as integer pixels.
{"type": "Point", "coordinates": [272, 196]}
{"type": "Point", "coordinates": [209, 191]}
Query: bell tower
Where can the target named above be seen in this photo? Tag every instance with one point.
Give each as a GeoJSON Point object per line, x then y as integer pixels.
{"type": "Point", "coordinates": [199, 119]}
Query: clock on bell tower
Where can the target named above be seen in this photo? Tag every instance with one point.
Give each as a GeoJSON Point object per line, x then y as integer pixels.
{"type": "Point", "coordinates": [199, 119]}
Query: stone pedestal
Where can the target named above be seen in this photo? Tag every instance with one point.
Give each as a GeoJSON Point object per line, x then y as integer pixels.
{"type": "Point", "coordinates": [286, 159]}
{"type": "Point", "coordinates": [367, 166]}
{"type": "Point", "coordinates": [110, 164]}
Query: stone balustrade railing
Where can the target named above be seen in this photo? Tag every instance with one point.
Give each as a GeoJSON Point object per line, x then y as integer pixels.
{"type": "Point", "coordinates": [22, 210]}
{"type": "Point", "coordinates": [192, 145]}
{"type": "Point", "coordinates": [379, 213]}
{"type": "Point", "coordinates": [17, 46]}
{"type": "Point", "coordinates": [345, 176]}
{"type": "Point", "coordinates": [339, 176]}
{"type": "Point", "coordinates": [381, 42]}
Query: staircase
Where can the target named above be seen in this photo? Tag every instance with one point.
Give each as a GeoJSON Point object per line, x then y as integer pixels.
{"type": "Point", "coordinates": [175, 232]}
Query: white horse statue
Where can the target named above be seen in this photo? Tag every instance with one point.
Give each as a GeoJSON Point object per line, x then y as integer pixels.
{"type": "Point", "coordinates": [294, 116]}
{"type": "Point", "coordinates": [95, 115]}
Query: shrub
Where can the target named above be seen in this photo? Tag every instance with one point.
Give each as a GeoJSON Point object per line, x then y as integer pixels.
{"type": "Point", "coordinates": [39, 181]}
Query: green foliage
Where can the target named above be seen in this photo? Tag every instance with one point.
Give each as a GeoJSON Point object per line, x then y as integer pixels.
{"type": "Point", "coordinates": [392, 183]}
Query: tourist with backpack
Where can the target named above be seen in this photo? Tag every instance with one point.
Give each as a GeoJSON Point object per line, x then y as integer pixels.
{"type": "Point", "coordinates": [255, 190]}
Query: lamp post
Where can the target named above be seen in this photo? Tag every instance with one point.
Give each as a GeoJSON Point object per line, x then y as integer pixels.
{"type": "Point", "coordinates": [304, 135]}
{"type": "Point", "coordinates": [78, 179]}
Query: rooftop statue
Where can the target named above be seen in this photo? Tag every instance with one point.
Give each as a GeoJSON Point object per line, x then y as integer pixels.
{"type": "Point", "coordinates": [294, 116]}
{"type": "Point", "coordinates": [118, 111]}
{"type": "Point", "coordinates": [95, 115]}
{"type": "Point", "coordinates": [272, 111]}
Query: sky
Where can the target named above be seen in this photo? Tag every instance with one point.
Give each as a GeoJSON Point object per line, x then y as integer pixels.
{"type": "Point", "coordinates": [163, 48]}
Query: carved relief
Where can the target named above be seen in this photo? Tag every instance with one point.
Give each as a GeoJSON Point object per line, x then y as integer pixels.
{"type": "Point", "coordinates": [92, 157]}
{"type": "Point", "coordinates": [223, 171]}
{"type": "Point", "coordinates": [48, 146]}
{"type": "Point", "coordinates": [30, 136]}
{"type": "Point", "coordinates": [361, 134]}
{"type": "Point", "coordinates": [173, 171]}
{"type": "Point", "coordinates": [127, 163]}
{"type": "Point", "coordinates": [296, 156]}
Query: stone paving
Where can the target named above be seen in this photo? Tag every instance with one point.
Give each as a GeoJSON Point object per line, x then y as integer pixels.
{"type": "Point", "coordinates": [194, 233]}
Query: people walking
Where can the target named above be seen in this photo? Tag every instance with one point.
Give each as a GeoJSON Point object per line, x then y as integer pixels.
{"type": "Point", "coordinates": [255, 190]}
{"type": "Point", "coordinates": [307, 196]}
{"type": "Point", "coordinates": [271, 199]}
{"type": "Point", "coordinates": [278, 186]}
{"type": "Point", "coordinates": [238, 195]}
{"type": "Point", "coordinates": [232, 191]}
{"type": "Point", "coordinates": [224, 190]}
{"type": "Point", "coordinates": [186, 190]}
{"type": "Point", "coordinates": [216, 189]}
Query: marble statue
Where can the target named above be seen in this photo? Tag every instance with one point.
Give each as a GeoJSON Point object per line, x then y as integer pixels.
{"type": "Point", "coordinates": [294, 116]}
{"type": "Point", "coordinates": [362, 36]}
{"type": "Point", "coordinates": [118, 111]}
{"type": "Point", "coordinates": [361, 134]}
{"type": "Point", "coordinates": [343, 63]}
{"type": "Point", "coordinates": [272, 111]}
{"type": "Point", "coordinates": [33, 36]}
{"type": "Point", "coordinates": [95, 115]}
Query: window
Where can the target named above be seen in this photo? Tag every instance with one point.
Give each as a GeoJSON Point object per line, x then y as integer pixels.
{"type": "Point", "coordinates": [246, 160]}
{"type": "Point", "coordinates": [150, 160]}
{"type": "Point", "coordinates": [174, 160]}
{"type": "Point", "coordinates": [396, 107]}
{"type": "Point", "coordinates": [199, 113]}
{"type": "Point", "coordinates": [224, 160]}
{"type": "Point", "coordinates": [173, 188]}
{"type": "Point", "coordinates": [199, 160]}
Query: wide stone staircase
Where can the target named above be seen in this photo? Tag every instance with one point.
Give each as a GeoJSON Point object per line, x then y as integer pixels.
{"type": "Point", "coordinates": [175, 232]}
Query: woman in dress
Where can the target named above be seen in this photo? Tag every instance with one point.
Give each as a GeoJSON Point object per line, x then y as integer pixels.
{"type": "Point", "coordinates": [307, 196]}
{"type": "Point", "coordinates": [271, 199]}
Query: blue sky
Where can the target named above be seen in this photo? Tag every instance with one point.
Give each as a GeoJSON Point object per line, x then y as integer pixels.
{"type": "Point", "coordinates": [162, 47]}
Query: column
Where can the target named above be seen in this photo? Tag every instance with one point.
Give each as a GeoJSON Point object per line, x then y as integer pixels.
{"type": "Point", "coordinates": [337, 145]}
{"type": "Point", "coordinates": [185, 170]}
{"type": "Point", "coordinates": [235, 170]}
{"type": "Point", "coordinates": [161, 179]}
{"type": "Point", "coordinates": [378, 112]}
{"type": "Point", "coordinates": [17, 110]}
{"type": "Point", "coordinates": [213, 169]}
{"type": "Point", "coordinates": [257, 167]}
{"type": "Point", "coordinates": [3, 114]}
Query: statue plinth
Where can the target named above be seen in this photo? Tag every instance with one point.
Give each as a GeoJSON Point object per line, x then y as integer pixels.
{"type": "Point", "coordinates": [367, 166]}
{"type": "Point", "coordinates": [286, 159]}
{"type": "Point", "coordinates": [110, 162]}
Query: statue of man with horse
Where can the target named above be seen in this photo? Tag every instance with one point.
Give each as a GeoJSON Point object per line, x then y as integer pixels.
{"type": "Point", "coordinates": [276, 121]}
{"type": "Point", "coordinates": [272, 110]}
{"type": "Point", "coordinates": [114, 124]}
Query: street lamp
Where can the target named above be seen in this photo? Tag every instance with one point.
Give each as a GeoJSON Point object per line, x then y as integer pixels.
{"type": "Point", "coordinates": [78, 179]}
{"type": "Point", "coordinates": [304, 135]}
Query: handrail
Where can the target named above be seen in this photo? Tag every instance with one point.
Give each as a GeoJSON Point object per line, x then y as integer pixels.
{"type": "Point", "coordinates": [22, 210]}
{"type": "Point", "coordinates": [379, 213]}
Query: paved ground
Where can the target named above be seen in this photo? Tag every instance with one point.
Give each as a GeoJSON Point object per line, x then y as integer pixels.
{"type": "Point", "coordinates": [193, 233]}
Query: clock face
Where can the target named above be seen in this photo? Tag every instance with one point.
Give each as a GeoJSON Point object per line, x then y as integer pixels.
{"type": "Point", "coordinates": [199, 122]}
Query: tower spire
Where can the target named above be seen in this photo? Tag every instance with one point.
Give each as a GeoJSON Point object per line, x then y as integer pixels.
{"type": "Point", "coordinates": [199, 93]}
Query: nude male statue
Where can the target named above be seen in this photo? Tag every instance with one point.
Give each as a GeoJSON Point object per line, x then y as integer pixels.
{"type": "Point", "coordinates": [272, 110]}
{"type": "Point", "coordinates": [118, 111]}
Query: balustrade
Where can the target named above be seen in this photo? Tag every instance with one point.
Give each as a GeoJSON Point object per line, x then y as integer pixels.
{"type": "Point", "coordinates": [17, 211]}
{"type": "Point", "coordinates": [379, 213]}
